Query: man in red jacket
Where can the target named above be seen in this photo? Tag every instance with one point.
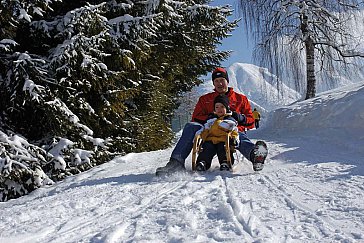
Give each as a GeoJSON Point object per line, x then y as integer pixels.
{"type": "Point", "coordinates": [242, 113]}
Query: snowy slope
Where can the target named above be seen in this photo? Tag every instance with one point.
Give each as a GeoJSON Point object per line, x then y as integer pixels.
{"type": "Point", "coordinates": [311, 190]}
{"type": "Point", "coordinates": [260, 86]}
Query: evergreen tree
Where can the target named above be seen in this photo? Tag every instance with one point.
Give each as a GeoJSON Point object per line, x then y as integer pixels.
{"type": "Point", "coordinates": [82, 82]}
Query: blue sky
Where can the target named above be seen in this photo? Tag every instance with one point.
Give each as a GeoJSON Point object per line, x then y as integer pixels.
{"type": "Point", "coordinates": [238, 43]}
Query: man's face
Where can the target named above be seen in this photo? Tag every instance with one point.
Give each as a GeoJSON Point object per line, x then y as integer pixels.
{"type": "Point", "coordinates": [221, 85]}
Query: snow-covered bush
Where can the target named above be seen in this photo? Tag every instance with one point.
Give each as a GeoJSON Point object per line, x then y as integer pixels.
{"type": "Point", "coordinates": [20, 166]}
{"type": "Point", "coordinates": [25, 167]}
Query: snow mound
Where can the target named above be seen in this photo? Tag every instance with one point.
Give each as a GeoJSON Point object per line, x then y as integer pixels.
{"type": "Point", "coordinates": [333, 117]}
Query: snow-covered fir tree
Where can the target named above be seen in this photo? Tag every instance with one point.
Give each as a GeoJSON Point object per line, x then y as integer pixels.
{"type": "Point", "coordinates": [81, 82]}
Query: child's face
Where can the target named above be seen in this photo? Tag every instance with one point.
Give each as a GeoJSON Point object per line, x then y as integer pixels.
{"type": "Point", "coordinates": [220, 109]}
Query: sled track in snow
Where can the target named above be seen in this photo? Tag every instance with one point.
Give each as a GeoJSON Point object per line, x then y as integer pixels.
{"type": "Point", "coordinates": [117, 234]}
{"type": "Point", "coordinates": [327, 229]}
{"type": "Point", "coordinates": [118, 230]}
{"type": "Point", "coordinates": [242, 219]}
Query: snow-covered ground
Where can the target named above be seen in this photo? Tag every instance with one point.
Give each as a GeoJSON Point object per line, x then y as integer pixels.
{"type": "Point", "coordinates": [311, 189]}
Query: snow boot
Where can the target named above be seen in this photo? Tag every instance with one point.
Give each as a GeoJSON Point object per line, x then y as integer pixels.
{"type": "Point", "coordinates": [201, 166]}
{"type": "Point", "coordinates": [258, 155]}
{"type": "Point", "coordinates": [224, 167]}
{"type": "Point", "coordinates": [171, 167]}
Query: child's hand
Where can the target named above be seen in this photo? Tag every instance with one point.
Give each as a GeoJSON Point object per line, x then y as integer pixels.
{"type": "Point", "coordinates": [209, 123]}
{"type": "Point", "coordinates": [228, 125]}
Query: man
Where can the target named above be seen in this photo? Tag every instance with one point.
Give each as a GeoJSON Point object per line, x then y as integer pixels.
{"type": "Point", "coordinates": [256, 116]}
{"type": "Point", "coordinates": [241, 112]}
{"type": "Point", "coordinates": [216, 128]}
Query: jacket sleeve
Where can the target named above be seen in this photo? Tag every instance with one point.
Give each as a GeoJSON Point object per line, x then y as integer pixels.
{"type": "Point", "coordinates": [247, 111]}
{"type": "Point", "coordinates": [200, 113]}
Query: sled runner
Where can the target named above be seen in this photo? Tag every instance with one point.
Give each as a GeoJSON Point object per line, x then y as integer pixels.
{"type": "Point", "coordinates": [197, 148]}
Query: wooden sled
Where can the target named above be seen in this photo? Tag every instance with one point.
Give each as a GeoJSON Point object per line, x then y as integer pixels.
{"type": "Point", "coordinates": [197, 148]}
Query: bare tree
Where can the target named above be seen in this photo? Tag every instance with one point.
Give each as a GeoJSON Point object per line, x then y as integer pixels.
{"type": "Point", "coordinates": [187, 102]}
{"type": "Point", "coordinates": [294, 36]}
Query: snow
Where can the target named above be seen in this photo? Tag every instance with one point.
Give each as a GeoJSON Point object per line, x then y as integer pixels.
{"type": "Point", "coordinates": [311, 189]}
{"type": "Point", "coordinates": [32, 88]}
{"type": "Point", "coordinates": [24, 15]}
{"type": "Point", "coordinates": [5, 43]}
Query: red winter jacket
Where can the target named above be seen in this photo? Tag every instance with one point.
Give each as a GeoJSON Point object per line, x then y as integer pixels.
{"type": "Point", "coordinates": [237, 102]}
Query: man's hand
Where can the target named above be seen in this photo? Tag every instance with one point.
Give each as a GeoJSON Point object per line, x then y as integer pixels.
{"type": "Point", "coordinates": [240, 118]}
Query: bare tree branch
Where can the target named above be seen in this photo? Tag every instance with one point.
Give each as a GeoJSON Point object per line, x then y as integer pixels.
{"type": "Point", "coordinates": [286, 30]}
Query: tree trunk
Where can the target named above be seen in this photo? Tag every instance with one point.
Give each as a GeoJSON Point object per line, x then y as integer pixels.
{"type": "Point", "coordinates": [310, 59]}
{"type": "Point", "coordinates": [310, 69]}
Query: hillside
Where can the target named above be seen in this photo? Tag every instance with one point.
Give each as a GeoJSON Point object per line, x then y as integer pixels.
{"type": "Point", "coordinates": [310, 190]}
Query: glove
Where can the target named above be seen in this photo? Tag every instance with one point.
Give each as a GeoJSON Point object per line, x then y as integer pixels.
{"type": "Point", "coordinates": [211, 116]}
{"type": "Point", "coordinates": [240, 118]}
{"type": "Point", "coordinates": [209, 123]}
{"type": "Point", "coordinates": [234, 142]}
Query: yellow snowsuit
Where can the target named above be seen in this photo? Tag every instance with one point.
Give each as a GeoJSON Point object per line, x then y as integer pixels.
{"type": "Point", "coordinates": [216, 129]}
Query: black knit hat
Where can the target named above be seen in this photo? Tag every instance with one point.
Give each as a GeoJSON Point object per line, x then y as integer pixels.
{"type": "Point", "coordinates": [223, 99]}
{"type": "Point", "coordinates": [220, 72]}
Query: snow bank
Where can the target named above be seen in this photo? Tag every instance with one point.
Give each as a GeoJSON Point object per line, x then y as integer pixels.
{"type": "Point", "coordinates": [335, 115]}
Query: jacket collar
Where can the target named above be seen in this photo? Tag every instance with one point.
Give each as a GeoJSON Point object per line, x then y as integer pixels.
{"type": "Point", "coordinates": [230, 91]}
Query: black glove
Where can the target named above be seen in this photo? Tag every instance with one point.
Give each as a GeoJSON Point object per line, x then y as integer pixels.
{"type": "Point", "coordinates": [212, 115]}
{"type": "Point", "coordinates": [233, 142]}
{"type": "Point", "coordinates": [240, 118]}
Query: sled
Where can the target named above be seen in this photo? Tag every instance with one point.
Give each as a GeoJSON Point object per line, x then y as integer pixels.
{"type": "Point", "coordinates": [197, 148]}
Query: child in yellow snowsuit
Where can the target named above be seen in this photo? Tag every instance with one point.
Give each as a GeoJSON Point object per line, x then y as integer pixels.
{"type": "Point", "coordinates": [214, 133]}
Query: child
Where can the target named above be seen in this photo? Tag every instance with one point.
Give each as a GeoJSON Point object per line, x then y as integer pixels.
{"type": "Point", "coordinates": [214, 133]}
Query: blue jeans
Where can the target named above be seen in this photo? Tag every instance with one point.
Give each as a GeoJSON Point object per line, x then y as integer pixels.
{"type": "Point", "coordinates": [185, 143]}
{"type": "Point", "coordinates": [245, 145]}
